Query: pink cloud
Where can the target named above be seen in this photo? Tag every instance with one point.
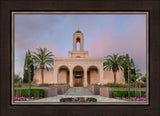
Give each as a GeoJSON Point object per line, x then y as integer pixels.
{"type": "Point", "coordinates": [132, 42]}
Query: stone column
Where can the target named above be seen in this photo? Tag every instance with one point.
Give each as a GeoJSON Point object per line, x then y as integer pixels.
{"type": "Point", "coordinates": [82, 43]}
{"type": "Point", "coordinates": [71, 78]}
{"type": "Point", "coordinates": [101, 75]}
{"type": "Point", "coordinates": [55, 76]}
{"type": "Point", "coordinates": [74, 42]}
{"type": "Point", "coordinates": [85, 78]}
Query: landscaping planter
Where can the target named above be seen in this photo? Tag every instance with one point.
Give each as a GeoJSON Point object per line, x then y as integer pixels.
{"type": "Point", "coordinates": [108, 91]}
{"type": "Point", "coordinates": [95, 89]}
{"type": "Point", "coordinates": [78, 100]}
{"type": "Point", "coordinates": [49, 91]}
{"type": "Point", "coordinates": [61, 89]}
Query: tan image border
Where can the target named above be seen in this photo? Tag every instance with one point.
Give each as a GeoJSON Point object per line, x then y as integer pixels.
{"type": "Point", "coordinates": [99, 12]}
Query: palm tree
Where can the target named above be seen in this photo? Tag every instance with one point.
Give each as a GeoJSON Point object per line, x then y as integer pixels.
{"type": "Point", "coordinates": [113, 63]}
{"type": "Point", "coordinates": [44, 59]}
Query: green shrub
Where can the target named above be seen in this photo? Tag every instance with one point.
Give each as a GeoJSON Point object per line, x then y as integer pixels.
{"type": "Point", "coordinates": [44, 84]}
{"type": "Point", "coordinates": [119, 93]}
{"type": "Point", "coordinates": [60, 84]}
{"type": "Point", "coordinates": [19, 85]}
{"type": "Point", "coordinates": [116, 85]}
{"type": "Point", "coordinates": [78, 99]}
{"type": "Point", "coordinates": [91, 99]}
{"type": "Point", "coordinates": [35, 92]}
{"type": "Point", "coordinates": [138, 84]}
{"type": "Point", "coordinates": [124, 93]}
{"type": "Point", "coordinates": [66, 99]}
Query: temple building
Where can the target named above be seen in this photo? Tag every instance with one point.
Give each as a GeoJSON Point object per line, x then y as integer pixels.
{"type": "Point", "coordinates": [78, 69]}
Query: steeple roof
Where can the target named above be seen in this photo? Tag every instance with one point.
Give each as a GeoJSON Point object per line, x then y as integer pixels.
{"type": "Point", "coordinates": [78, 31]}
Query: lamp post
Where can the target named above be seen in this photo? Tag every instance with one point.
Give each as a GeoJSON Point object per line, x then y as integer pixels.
{"type": "Point", "coordinates": [140, 81]}
{"type": "Point", "coordinates": [29, 79]}
{"type": "Point", "coordinates": [132, 67]}
{"type": "Point", "coordinates": [140, 88]}
{"type": "Point", "coordinates": [135, 88]}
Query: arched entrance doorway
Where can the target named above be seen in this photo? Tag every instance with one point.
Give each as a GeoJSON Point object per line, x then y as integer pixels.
{"type": "Point", "coordinates": [78, 76]}
{"type": "Point", "coordinates": [92, 75]}
{"type": "Point", "coordinates": [63, 74]}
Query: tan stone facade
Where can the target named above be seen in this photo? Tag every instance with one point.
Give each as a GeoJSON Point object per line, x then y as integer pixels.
{"type": "Point", "coordinates": [48, 77]}
{"type": "Point", "coordinates": [78, 69]}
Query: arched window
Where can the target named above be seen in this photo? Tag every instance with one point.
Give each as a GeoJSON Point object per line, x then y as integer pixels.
{"type": "Point", "coordinates": [78, 46]}
{"type": "Point", "coordinates": [78, 43]}
{"type": "Point", "coordinates": [91, 79]}
{"type": "Point", "coordinates": [63, 74]}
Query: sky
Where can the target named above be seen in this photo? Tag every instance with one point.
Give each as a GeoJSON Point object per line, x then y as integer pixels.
{"type": "Point", "coordinates": [104, 35]}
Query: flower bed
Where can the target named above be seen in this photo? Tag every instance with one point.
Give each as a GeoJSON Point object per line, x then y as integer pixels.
{"type": "Point", "coordinates": [132, 98]}
{"type": "Point", "coordinates": [78, 100]}
{"type": "Point", "coordinates": [25, 98]}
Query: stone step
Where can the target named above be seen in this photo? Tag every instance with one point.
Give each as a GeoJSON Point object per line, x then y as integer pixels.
{"type": "Point", "coordinates": [78, 91]}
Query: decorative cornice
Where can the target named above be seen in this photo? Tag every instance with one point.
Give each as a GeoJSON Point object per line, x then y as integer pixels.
{"type": "Point", "coordinates": [64, 59]}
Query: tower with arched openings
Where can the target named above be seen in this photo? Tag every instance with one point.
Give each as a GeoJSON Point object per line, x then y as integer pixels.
{"type": "Point", "coordinates": [81, 70]}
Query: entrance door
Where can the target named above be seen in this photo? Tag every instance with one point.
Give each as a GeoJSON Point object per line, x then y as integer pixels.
{"type": "Point", "coordinates": [78, 81]}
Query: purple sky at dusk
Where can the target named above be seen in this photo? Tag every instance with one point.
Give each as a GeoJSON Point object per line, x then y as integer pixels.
{"type": "Point", "coordinates": [103, 35]}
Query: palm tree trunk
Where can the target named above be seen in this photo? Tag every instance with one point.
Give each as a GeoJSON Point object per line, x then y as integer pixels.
{"type": "Point", "coordinates": [114, 77]}
{"type": "Point", "coordinates": [42, 74]}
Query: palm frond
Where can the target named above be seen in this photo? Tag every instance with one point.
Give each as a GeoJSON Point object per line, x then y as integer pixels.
{"type": "Point", "coordinates": [43, 56]}
{"type": "Point", "coordinates": [113, 62]}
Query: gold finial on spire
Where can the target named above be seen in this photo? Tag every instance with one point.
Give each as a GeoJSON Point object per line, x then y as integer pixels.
{"type": "Point", "coordinates": [78, 27]}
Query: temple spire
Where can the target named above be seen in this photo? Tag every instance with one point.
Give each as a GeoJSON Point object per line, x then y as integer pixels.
{"type": "Point", "coordinates": [78, 27]}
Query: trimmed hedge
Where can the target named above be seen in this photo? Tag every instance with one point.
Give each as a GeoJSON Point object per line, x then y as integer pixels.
{"type": "Point", "coordinates": [124, 93]}
{"type": "Point", "coordinates": [78, 99]}
{"type": "Point", "coordinates": [66, 99]}
{"type": "Point", "coordinates": [35, 92]}
{"type": "Point", "coordinates": [46, 84]}
{"type": "Point", "coordinates": [91, 99]}
{"type": "Point", "coordinates": [117, 85]}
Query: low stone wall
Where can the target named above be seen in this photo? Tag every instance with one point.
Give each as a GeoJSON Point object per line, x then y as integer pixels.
{"type": "Point", "coordinates": [108, 92]}
{"type": "Point", "coordinates": [61, 89]}
{"type": "Point", "coordinates": [49, 91]}
{"type": "Point", "coordinates": [95, 89]}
